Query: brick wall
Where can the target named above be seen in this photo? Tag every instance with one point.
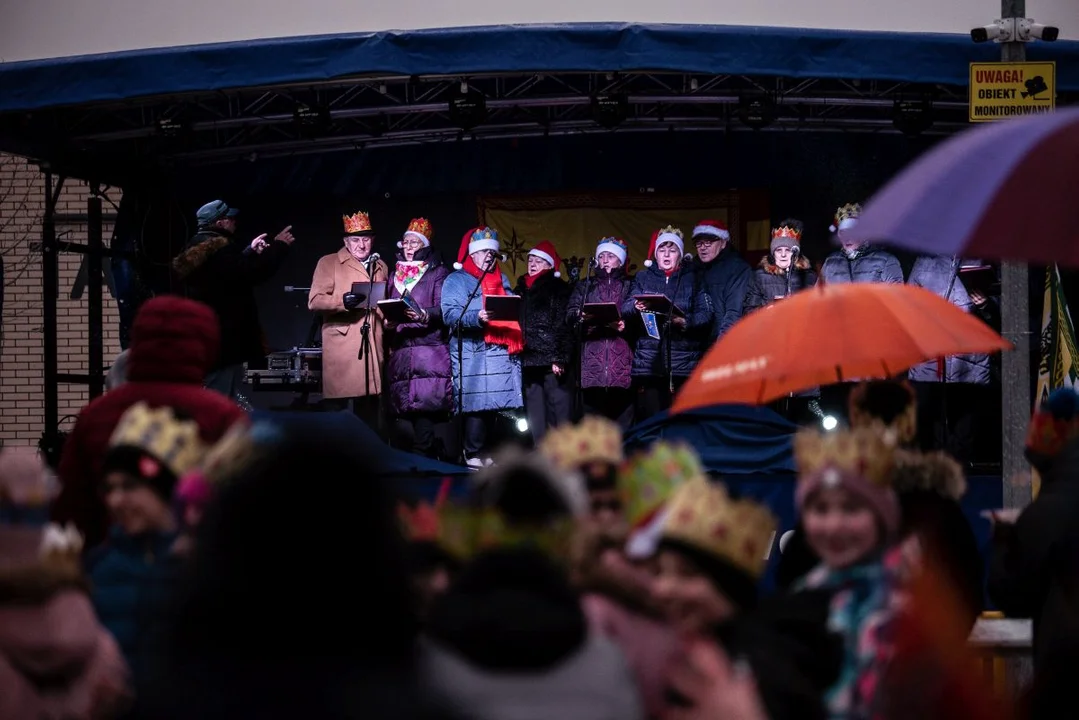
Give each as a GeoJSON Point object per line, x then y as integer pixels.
{"type": "Point", "coordinates": [22, 205]}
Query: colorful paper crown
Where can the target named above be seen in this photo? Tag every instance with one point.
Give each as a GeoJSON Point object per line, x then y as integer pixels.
{"type": "Point", "coordinates": [902, 430]}
{"type": "Point", "coordinates": [1054, 424]}
{"type": "Point", "coordinates": [464, 532]}
{"type": "Point", "coordinates": [863, 452]}
{"type": "Point", "coordinates": [701, 514]}
{"type": "Point", "coordinates": [649, 478]}
{"type": "Point", "coordinates": [158, 433]}
{"type": "Point", "coordinates": [594, 440]}
{"type": "Point", "coordinates": [619, 242]}
{"type": "Point", "coordinates": [485, 233]}
{"type": "Point", "coordinates": [421, 227]}
{"type": "Point", "coordinates": [786, 232]}
{"type": "Point", "coordinates": [357, 223]}
{"type": "Point", "coordinates": [669, 230]}
{"type": "Point", "coordinates": [846, 216]}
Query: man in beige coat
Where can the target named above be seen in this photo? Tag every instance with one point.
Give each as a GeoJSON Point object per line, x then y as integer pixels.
{"type": "Point", "coordinates": [350, 368]}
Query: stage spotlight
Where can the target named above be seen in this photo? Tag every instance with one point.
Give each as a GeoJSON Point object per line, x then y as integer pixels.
{"type": "Point", "coordinates": [469, 108]}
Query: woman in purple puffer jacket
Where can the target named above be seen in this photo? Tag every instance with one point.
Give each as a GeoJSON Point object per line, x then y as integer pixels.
{"type": "Point", "coordinates": [606, 353]}
{"type": "Point", "coordinates": [418, 377]}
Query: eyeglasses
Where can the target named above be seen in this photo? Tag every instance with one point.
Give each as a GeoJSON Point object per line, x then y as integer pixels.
{"type": "Point", "coordinates": [411, 242]}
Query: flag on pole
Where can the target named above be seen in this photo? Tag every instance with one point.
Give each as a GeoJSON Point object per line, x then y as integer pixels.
{"type": "Point", "coordinates": [1059, 366]}
{"type": "Point", "coordinates": [1059, 363]}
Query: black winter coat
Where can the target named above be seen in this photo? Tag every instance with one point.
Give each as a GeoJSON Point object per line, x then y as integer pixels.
{"type": "Point", "coordinates": [771, 282]}
{"type": "Point", "coordinates": [725, 280]}
{"type": "Point", "coordinates": [548, 337]}
{"type": "Point", "coordinates": [650, 356]}
{"type": "Point", "coordinates": [222, 272]}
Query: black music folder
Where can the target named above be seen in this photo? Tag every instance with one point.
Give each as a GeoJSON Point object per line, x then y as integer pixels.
{"type": "Point", "coordinates": [370, 293]}
{"type": "Point", "coordinates": [600, 313]}
{"type": "Point", "coordinates": [659, 304]}
{"type": "Point", "coordinates": [502, 307]}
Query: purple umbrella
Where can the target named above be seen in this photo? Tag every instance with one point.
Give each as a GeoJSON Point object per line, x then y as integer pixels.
{"type": "Point", "coordinates": [1006, 191]}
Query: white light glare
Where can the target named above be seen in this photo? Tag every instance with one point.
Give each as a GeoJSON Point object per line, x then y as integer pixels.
{"type": "Point", "coordinates": [522, 425]}
{"type": "Point", "coordinates": [829, 422]}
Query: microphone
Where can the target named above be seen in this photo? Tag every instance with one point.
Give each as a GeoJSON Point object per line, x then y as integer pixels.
{"type": "Point", "coordinates": [373, 256]}
{"type": "Point", "coordinates": [594, 262]}
{"type": "Point", "coordinates": [687, 258]}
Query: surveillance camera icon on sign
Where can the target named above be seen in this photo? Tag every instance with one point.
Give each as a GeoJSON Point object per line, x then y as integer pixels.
{"type": "Point", "coordinates": [1035, 86]}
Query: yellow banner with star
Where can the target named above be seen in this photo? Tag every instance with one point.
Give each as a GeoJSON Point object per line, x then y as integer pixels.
{"type": "Point", "coordinates": [576, 223]}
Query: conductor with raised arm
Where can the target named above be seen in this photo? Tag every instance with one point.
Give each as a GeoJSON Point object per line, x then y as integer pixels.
{"type": "Point", "coordinates": [222, 271]}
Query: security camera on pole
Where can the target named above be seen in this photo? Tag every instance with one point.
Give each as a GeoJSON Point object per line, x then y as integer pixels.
{"type": "Point", "coordinates": [1012, 31]}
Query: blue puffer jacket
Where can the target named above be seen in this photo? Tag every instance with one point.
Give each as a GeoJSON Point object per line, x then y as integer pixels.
{"type": "Point", "coordinates": [683, 288]}
{"type": "Point", "coordinates": [132, 579]}
{"type": "Point", "coordinates": [492, 377]}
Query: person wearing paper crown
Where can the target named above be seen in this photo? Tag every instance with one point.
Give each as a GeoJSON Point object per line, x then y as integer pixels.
{"type": "Point", "coordinates": [218, 269]}
{"type": "Point", "coordinates": [135, 572]}
{"type": "Point", "coordinates": [606, 353]}
{"type": "Point", "coordinates": [857, 261]}
{"type": "Point", "coordinates": [851, 514]}
{"type": "Point", "coordinates": [722, 273]}
{"type": "Point", "coordinates": [484, 351]}
{"type": "Point", "coordinates": [548, 340]}
{"type": "Point", "coordinates": [783, 271]}
{"type": "Point", "coordinates": [56, 659]}
{"type": "Point", "coordinates": [666, 352]}
{"type": "Point", "coordinates": [351, 360]}
{"type": "Point", "coordinates": [420, 386]}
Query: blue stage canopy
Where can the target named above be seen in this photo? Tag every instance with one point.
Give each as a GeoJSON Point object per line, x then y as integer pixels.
{"type": "Point", "coordinates": [611, 47]}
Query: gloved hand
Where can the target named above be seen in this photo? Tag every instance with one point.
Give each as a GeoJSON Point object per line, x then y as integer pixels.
{"type": "Point", "coordinates": [351, 301]}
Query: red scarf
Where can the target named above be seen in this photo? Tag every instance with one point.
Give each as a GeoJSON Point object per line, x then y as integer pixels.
{"type": "Point", "coordinates": [530, 280]}
{"type": "Point", "coordinates": [498, 332]}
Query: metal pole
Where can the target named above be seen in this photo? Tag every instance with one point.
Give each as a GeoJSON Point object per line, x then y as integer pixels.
{"type": "Point", "coordinates": [50, 281]}
{"type": "Point", "coordinates": [1015, 322]}
{"type": "Point", "coordinates": [95, 249]}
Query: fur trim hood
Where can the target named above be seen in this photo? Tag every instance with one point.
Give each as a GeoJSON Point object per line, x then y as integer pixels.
{"type": "Point", "coordinates": [935, 471]}
{"type": "Point", "coordinates": [768, 265]}
{"type": "Point", "coordinates": [526, 487]}
{"type": "Point", "coordinates": [196, 254]}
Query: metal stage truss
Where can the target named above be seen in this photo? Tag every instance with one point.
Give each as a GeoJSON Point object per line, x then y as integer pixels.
{"type": "Point", "coordinates": [115, 141]}
{"type": "Point", "coordinates": [342, 115]}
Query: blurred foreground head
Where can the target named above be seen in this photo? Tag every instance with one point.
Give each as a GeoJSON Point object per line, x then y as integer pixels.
{"type": "Point", "coordinates": [298, 584]}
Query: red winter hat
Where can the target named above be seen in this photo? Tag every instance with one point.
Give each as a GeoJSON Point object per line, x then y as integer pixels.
{"type": "Point", "coordinates": [664, 235]}
{"type": "Point", "coordinates": [546, 251]}
{"type": "Point", "coordinates": [714, 228]}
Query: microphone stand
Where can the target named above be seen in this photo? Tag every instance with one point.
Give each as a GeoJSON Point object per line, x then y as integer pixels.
{"type": "Point", "coordinates": [365, 330]}
{"type": "Point", "coordinates": [458, 328]}
{"type": "Point", "coordinates": [670, 327]}
{"type": "Point", "coordinates": [580, 337]}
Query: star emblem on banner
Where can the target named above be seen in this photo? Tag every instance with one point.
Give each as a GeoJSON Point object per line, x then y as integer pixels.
{"type": "Point", "coordinates": [515, 250]}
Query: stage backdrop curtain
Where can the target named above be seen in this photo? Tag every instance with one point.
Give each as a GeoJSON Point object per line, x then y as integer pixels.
{"type": "Point", "coordinates": [576, 222]}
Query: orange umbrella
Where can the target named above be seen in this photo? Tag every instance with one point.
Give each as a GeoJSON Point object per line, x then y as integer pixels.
{"type": "Point", "coordinates": [829, 334]}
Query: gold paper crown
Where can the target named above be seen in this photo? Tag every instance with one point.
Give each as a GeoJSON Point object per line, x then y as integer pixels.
{"type": "Point", "coordinates": [594, 439]}
{"type": "Point", "coordinates": [786, 232]}
{"type": "Point", "coordinates": [158, 433]}
{"type": "Point", "coordinates": [420, 226]}
{"type": "Point", "coordinates": [850, 211]}
{"type": "Point", "coordinates": [670, 230]}
{"type": "Point", "coordinates": [648, 479]}
{"type": "Point", "coordinates": [904, 428]}
{"type": "Point", "coordinates": [864, 452]}
{"type": "Point", "coordinates": [701, 514]}
{"type": "Point", "coordinates": [357, 223]}
{"type": "Point", "coordinates": [464, 532]}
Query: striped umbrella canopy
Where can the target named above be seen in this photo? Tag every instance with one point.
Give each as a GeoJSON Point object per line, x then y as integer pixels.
{"type": "Point", "coordinates": [1005, 191]}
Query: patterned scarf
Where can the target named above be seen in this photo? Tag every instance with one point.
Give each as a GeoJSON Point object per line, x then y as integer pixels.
{"type": "Point", "coordinates": [498, 332]}
{"type": "Point", "coordinates": [407, 273]}
{"type": "Point", "coordinates": [864, 612]}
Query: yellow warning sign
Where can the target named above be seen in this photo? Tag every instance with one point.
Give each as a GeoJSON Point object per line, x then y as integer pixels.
{"type": "Point", "coordinates": [1004, 90]}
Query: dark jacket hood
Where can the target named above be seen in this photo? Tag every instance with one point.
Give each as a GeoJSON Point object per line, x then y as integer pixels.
{"type": "Point", "coordinates": [173, 340]}
{"type": "Point", "coordinates": [510, 610]}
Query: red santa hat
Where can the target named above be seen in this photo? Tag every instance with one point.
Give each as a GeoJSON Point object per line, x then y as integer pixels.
{"type": "Point", "coordinates": [714, 228]}
{"type": "Point", "coordinates": [668, 234]}
{"type": "Point", "coordinates": [475, 240]}
{"type": "Point", "coordinates": [545, 251]}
